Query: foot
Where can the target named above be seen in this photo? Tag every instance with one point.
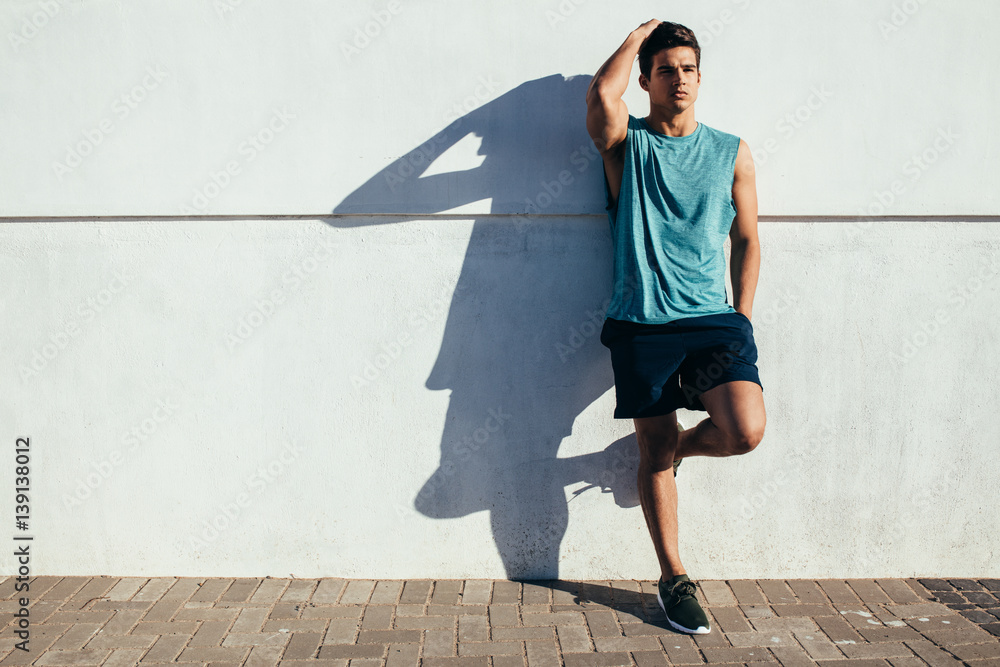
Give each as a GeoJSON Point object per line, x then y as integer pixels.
{"type": "Point", "coordinates": [677, 463]}
{"type": "Point", "coordinates": [677, 600]}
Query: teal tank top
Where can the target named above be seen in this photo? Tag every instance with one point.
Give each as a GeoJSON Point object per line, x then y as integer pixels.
{"type": "Point", "coordinates": [674, 211]}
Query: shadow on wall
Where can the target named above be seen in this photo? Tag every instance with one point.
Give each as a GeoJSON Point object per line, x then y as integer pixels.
{"type": "Point", "coordinates": [521, 352]}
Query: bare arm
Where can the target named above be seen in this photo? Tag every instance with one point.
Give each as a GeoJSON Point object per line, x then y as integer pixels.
{"type": "Point", "coordinates": [745, 256]}
{"type": "Point", "coordinates": [607, 115]}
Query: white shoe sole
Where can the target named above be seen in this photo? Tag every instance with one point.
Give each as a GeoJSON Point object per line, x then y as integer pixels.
{"type": "Point", "coordinates": [702, 630]}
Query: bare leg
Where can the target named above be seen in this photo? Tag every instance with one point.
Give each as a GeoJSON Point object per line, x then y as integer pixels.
{"type": "Point", "coordinates": [735, 426]}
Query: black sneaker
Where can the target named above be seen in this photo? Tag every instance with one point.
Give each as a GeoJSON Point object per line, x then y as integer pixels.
{"type": "Point", "coordinates": [678, 602]}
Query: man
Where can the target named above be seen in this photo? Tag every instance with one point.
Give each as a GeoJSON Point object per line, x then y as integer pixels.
{"type": "Point", "coordinates": [675, 189]}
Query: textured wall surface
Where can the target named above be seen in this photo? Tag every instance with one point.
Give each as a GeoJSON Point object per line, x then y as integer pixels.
{"type": "Point", "coordinates": [323, 295]}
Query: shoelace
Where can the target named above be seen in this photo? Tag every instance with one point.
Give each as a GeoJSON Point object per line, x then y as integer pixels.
{"type": "Point", "coordinates": [684, 589]}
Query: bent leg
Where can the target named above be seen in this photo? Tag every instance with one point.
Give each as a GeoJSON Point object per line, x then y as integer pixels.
{"type": "Point", "coordinates": [735, 423]}
{"type": "Point", "coordinates": [657, 437]}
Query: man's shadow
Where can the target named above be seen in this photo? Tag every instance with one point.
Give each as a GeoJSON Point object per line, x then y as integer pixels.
{"type": "Point", "coordinates": [521, 350]}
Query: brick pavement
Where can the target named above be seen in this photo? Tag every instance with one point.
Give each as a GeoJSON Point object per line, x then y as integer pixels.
{"type": "Point", "coordinates": [481, 623]}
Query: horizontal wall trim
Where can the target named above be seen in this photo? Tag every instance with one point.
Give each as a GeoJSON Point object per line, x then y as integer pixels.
{"type": "Point", "coordinates": [477, 216]}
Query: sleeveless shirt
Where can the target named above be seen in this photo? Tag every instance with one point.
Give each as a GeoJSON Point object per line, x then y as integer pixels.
{"type": "Point", "coordinates": [674, 211]}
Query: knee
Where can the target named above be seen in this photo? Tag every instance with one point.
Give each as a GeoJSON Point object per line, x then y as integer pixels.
{"type": "Point", "coordinates": [657, 453]}
{"type": "Point", "coordinates": [747, 438]}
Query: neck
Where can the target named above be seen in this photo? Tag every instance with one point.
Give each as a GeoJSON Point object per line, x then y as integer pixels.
{"type": "Point", "coordinates": [674, 124]}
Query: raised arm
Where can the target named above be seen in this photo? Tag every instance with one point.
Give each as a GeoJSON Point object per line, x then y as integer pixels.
{"type": "Point", "coordinates": [745, 255]}
{"type": "Point", "coordinates": [607, 115]}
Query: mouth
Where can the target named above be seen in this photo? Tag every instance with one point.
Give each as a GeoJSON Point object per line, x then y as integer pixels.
{"type": "Point", "coordinates": [680, 93]}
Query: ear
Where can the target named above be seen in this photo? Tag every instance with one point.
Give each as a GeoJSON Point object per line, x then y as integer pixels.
{"type": "Point", "coordinates": [644, 82]}
{"type": "Point", "coordinates": [699, 76]}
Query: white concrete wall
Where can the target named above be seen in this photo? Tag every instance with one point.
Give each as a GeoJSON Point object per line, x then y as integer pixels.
{"type": "Point", "coordinates": [303, 357]}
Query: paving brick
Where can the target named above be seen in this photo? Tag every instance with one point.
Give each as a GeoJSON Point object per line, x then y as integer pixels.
{"type": "Point", "coordinates": [757, 611]}
{"type": "Point", "coordinates": [222, 614]}
{"type": "Point", "coordinates": [78, 657]}
{"type": "Point", "coordinates": [166, 648]}
{"type": "Point", "coordinates": [977, 651]}
{"type": "Point", "coordinates": [103, 641]}
{"type": "Point", "coordinates": [918, 610]}
{"type": "Point", "coordinates": [598, 660]}
{"type": "Point", "coordinates": [681, 650]}
{"type": "Point", "coordinates": [263, 656]}
{"type": "Point", "coordinates": [898, 591]}
{"type": "Point", "coordinates": [241, 590]}
{"type": "Point", "coordinates": [446, 592]}
{"type": "Point", "coordinates": [645, 629]}
{"type": "Point", "coordinates": [506, 592]}
{"type": "Point", "coordinates": [94, 589]}
{"type": "Point", "coordinates": [803, 610]}
{"type": "Point", "coordinates": [353, 612]}
{"type": "Point", "coordinates": [837, 629]}
{"type": "Point", "coordinates": [251, 619]}
{"type": "Point", "coordinates": [285, 610]}
{"type": "Point", "coordinates": [573, 639]}
{"type": "Point", "coordinates": [124, 657]}
{"type": "Point", "coordinates": [255, 639]}
{"type": "Point", "coordinates": [935, 585]}
{"type": "Point", "coordinates": [535, 608]}
{"type": "Point", "coordinates": [409, 610]}
{"type": "Point", "coordinates": [389, 636]}
{"type": "Point", "coordinates": [716, 655]}
{"type": "Point", "coordinates": [761, 639]}
{"type": "Point", "coordinates": [456, 609]}
{"type": "Point", "coordinates": [601, 623]}
{"type": "Point", "coordinates": [906, 661]}
{"type": "Point", "coordinates": [628, 614]}
{"type": "Point", "coordinates": [269, 591]}
{"type": "Point", "coordinates": [425, 622]}
{"type": "Point", "coordinates": [730, 619]}
{"type": "Point", "coordinates": [489, 648]}
{"type": "Point", "coordinates": [655, 658]}
{"type": "Point", "coordinates": [164, 609]}
{"type": "Point", "coordinates": [342, 631]}
{"type": "Point", "coordinates": [746, 592]}
{"type": "Point", "coordinates": [717, 593]}
{"type": "Point", "coordinates": [476, 591]}
{"type": "Point", "coordinates": [952, 638]}
{"type": "Point", "coordinates": [377, 617]}
{"type": "Point", "coordinates": [300, 590]}
{"type": "Point", "coordinates": [503, 615]}
{"type": "Point", "coordinates": [792, 656]}
{"type": "Point", "coordinates": [818, 646]}
{"type": "Point", "coordinates": [540, 632]}
{"type": "Point", "coordinates": [161, 628]}
{"type": "Point", "coordinates": [65, 589]}
{"type": "Point", "coordinates": [76, 637]}
{"type": "Point", "coordinates": [561, 618]}
{"type": "Point", "coordinates": [473, 629]}
{"type": "Point", "coordinates": [386, 592]}
{"type": "Point", "coordinates": [992, 628]}
{"type": "Point", "coordinates": [868, 591]}
{"type": "Point", "coordinates": [468, 661]}
{"type": "Point", "coordinates": [838, 591]}
{"type": "Point", "coordinates": [612, 644]}
{"type": "Point", "coordinates": [415, 591]}
{"type": "Point", "coordinates": [302, 646]}
{"type": "Point", "coordinates": [854, 663]}
{"type": "Point", "coordinates": [327, 651]}
{"type": "Point", "coordinates": [507, 660]}
{"type": "Point", "coordinates": [154, 589]}
{"type": "Point", "coordinates": [786, 624]}
{"type": "Point", "coordinates": [777, 591]}
{"type": "Point", "coordinates": [439, 643]}
{"type": "Point", "coordinates": [328, 591]}
{"type": "Point", "coordinates": [990, 584]}
{"type": "Point", "coordinates": [295, 625]}
{"type": "Point", "coordinates": [950, 622]}
{"type": "Point", "coordinates": [403, 655]}
{"type": "Point", "coordinates": [210, 633]}
{"type": "Point", "coordinates": [886, 650]}
{"type": "Point", "coordinates": [931, 654]}
{"type": "Point", "coordinates": [535, 593]}
{"type": "Point", "coordinates": [879, 635]}
{"type": "Point", "coordinates": [358, 591]}
{"type": "Point", "coordinates": [966, 585]}
{"type": "Point", "coordinates": [596, 592]}
{"type": "Point", "coordinates": [711, 640]}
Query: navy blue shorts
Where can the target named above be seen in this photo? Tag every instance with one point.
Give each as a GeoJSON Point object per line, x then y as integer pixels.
{"type": "Point", "coordinates": [662, 367]}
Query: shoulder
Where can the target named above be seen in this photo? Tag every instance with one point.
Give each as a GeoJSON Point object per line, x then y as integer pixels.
{"type": "Point", "coordinates": [722, 138]}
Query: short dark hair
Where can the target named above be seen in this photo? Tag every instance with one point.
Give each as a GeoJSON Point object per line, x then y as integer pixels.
{"type": "Point", "coordinates": [667, 35]}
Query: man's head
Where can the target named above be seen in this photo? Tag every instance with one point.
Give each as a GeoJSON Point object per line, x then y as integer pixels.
{"type": "Point", "coordinates": [667, 35]}
{"type": "Point", "coordinates": [670, 67]}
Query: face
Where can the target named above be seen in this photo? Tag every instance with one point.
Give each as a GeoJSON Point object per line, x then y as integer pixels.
{"type": "Point", "coordinates": [673, 79]}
